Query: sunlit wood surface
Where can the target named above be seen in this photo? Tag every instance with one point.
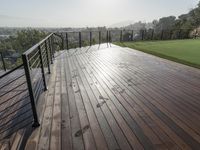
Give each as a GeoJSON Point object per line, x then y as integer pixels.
{"type": "Point", "coordinates": [108, 97]}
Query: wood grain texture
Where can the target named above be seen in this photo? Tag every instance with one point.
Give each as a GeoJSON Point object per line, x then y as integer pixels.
{"type": "Point", "coordinates": [108, 97]}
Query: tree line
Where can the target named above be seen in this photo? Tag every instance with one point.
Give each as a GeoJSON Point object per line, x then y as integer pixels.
{"type": "Point", "coordinates": [184, 26]}
{"type": "Point", "coordinates": [13, 46]}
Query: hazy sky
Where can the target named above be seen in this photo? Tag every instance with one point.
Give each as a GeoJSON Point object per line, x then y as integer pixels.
{"type": "Point", "coordinates": [82, 13]}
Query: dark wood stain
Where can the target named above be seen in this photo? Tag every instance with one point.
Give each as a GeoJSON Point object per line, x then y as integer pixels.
{"type": "Point", "coordinates": [118, 98]}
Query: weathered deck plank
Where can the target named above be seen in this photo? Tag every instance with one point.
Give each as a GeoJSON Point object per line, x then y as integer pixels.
{"type": "Point", "coordinates": [66, 139]}
{"type": "Point", "coordinates": [96, 130]}
{"type": "Point", "coordinates": [149, 94]}
{"type": "Point", "coordinates": [118, 98]}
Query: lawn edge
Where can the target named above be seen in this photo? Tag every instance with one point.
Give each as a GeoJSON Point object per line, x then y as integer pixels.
{"type": "Point", "coordinates": [161, 55]}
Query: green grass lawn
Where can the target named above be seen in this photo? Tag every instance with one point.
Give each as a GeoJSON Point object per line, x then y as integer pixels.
{"type": "Point", "coordinates": [182, 51]}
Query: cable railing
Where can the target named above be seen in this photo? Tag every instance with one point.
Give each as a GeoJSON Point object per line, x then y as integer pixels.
{"type": "Point", "coordinates": [88, 38]}
{"type": "Point", "coordinates": [8, 62]}
{"type": "Point", "coordinates": [151, 34]}
{"type": "Point", "coordinates": [15, 111]}
{"type": "Point", "coordinates": [21, 87]}
{"type": "Point", "coordinates": [36, 63]}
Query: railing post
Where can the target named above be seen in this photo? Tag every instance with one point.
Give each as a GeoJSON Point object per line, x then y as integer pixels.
{"type": "Point", "coordinates": [179, 34]}
{"type": "Point", "coordinates": [42, 68]}
{"type": "Point", "coordinates": [47, 54]}
{"type": "Point", "coordinates": [30, 89]}
{"type": "Point", "coordinates": [99, 37]}
{"type": "Point", "coordinates": [188, 32]}
{"type": "Point", "coordinates": [67, 41]}
{"type": "Point", "coordinates": [63, 43]}
{"type": "Point", "coordinates": [51, 50]}
{"type": "Point", "coordinates": [80, 41]}
{"type": "Point", "coordinates": [3, 62]}
{"type": "Point", "coordinates": [53, 47]}
{"type": "Point", "coordinates": [144, 34]}
{"type": "Point", "coordinates": [109, 36]}
{"type": "Point", "coordinates": [132, 36]}
{"type": "Point", "coordinates": [162, 32]}
{"type": "Point", "coordinates": [90, 38]}
{"type": "Point", "coordinates": [142, 31]}
{"type": "Point", "coordinates": [121, 32]}
{"type": "Point", "coordinates": [152, 34]}
{"type": "Point", "coordinates": [171, 33]}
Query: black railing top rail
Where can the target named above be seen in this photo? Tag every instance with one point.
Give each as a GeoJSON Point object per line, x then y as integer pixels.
{"type": "Point", "coordinates": [36, 61]}
{"type": "Point", "coordinates": [37, 45]}
{"type": "Point", "coordinates": [58, 34]}
{"type": "Point", "coordinates": [9, 72]}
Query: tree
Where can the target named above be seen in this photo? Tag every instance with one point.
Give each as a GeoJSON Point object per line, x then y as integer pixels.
{"type": "Point", "coordinates": [25, 39]}
{"type": "Point", "coordinates": [19, 43]}
{"type": "Point", "coordinates": [165, 23]}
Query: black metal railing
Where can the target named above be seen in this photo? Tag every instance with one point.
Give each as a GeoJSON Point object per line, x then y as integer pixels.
{"type": "Point", "coordinates": [8, 62]}
{"type": "Point", "coordinates": [21, 87]}
{"type": "Point", "coordinates": [15, 110]}
{"type": "Point", "coordinates": [79, 39]}
{"type": "Point", "coordinates": [150, 34]}
{"type": "Point", "coordinates": [87, 38]}
{"type": "Point", "coordinates": [37, 62]}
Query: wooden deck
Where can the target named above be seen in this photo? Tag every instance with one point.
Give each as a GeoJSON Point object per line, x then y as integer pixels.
{"type": "Point", "coordinates": [118, 98]}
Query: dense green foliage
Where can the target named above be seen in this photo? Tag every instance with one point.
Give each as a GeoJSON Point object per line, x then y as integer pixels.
{"type": "Point", "coordinates": [185, 23]}
{"type": "Point", "coordinates": [22, 41]}
{"type": "Point", "coordinates": [185, 26]}
{"type": "Point", "coordinates": [182, 51]}
{"type": "Point", "coordinates": [16, 45]}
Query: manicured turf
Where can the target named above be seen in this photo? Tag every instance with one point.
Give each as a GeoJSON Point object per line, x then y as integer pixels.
{"type": "Point", "coordinates": [182, 51]}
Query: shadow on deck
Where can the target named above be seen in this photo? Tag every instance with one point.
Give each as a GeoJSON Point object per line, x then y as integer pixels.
{"type": "Point", "coordinates": [118, 98]}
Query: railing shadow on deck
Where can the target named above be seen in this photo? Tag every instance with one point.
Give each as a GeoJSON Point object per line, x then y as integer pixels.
{"type": "Point", "coordinates": [21, 87]}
